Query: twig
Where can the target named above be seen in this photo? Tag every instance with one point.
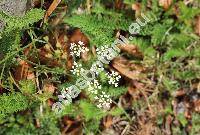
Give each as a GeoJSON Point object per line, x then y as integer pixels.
{"type": "Point", "coordinates": [14, 81]}
{"type": "Point", "coordinates": [51, 9]}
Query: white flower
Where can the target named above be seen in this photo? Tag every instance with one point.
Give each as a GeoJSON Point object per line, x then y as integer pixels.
{"type": "Point", "coordinates": [96, 84]}
{"type": "Point", "coordinates": [93, 86]}
{"type": "Point", "coordinates": [91, 89]}
{"type": "Point", "coordinates": [103, 50]}
{"type": "Point", "coordinates": [96, 68]}
{"type": "Point", "coordinates": [77, 49]}
{"type": "Point", "coordinates": [104, 101]}
{"type": "Point", "coordinates": [106, 51]}
{"type": "Point", "coordinates": [80, 43]}
{"type": "Point", "coordinates": [96, 97]}
{"type": "Point", "coordinates": [77, 69]}
{"type": "Point", "coordinates": [113, 78]}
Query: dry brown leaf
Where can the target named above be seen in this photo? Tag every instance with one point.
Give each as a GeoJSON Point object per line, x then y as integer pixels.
{"type": "Point", "coordinates": [168, 122]}
{"type": "Point", "coordinates": [46, 57]}
{"type": "Point", "coordinates": [94, 51]}
{"type": "Point", "coordinates": [37, 123]}
{"type": "Point", "coordinates": [63, 40]}
{"type": "Point", "coordinates": [134, 92]}
{"type": "Point", "coordinates": [72, 127]}
{"type": "Point", "coordinates": [197, 26]}
{"type": "Point", "coordinates": [108, 121]}
{"type": "Point", "coordinates": [23, 71]}
{"type": "Point", "coordinates": [51, 9]}
{"type": "Point", "coordinates": [44, 54]}
{"type": "Point", "coordinates": [176, 10]}
{"type": "Point", "coordinates": [179, 93]}
{"type": "Point", "coordinates": [130, 70]}
{"type": "Point", "coordinates": [165, 3]}
{"type": "Point", "coordinates": [50, 102]}
{"type": "Point", "coordinates": [197, 106]}
{"type": "Point", "coordinates": [77, 35]}
{"type": "Point", "coordinates": [118, 4]}
{"type": "Point", "coordinates": [131, 49]}
{"type": "Point", "coordinates": [137, 8]}
{"type": "Point", "coordinates": [67, 120]}
{"type": "Point", "coordinates": [1, 88]}
{"type": "Point", "coordinates": [35, 3]}
{"type": "Point", "coordinates": [49, 87]}
{"type": "Point", "coordinates": [148, 128]}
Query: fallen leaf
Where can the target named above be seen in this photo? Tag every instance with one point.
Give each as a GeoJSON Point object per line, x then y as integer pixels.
{"type": "Point", "coordinates": [36, 3]}
{"type": "Point", "coordinates": [67, 120]}
{"type": "Point", "coordinates": [148, 128]}
{"type": "Point", "coordinates": [72, 127]}
{"type": "Point", "coordinates": [23, 71]}
{"type": "Point", "coordinates": [197, 106]}
{"type": "Point", "coordinates": [168, 122]}
{"type": "Point", "coordinates": [131, 49]}
{"type": "Point", "coordinates": [125, 101]}
{"type": "Point", "coordinates": [165, 3]}
{"type": "Point", "coordinates": [50, 102]}
{"type": "Point", "coordinates": [49, 87]}
{"type": "Point", "coordinates": [137, 8]}
{"type": "Point", "coordinates": [118, 4]}
{"type": "Point", "coordinates": [46, 57]}
{"type": "Point", "coordinates": [134, 92]}
{"type": "Point", "coordinates": [176, 10]}
{"type": "Point", "coordinates": [77, 36]}
{"type": "Point", "coordinates": [179, 93]}
{"type": "Point", "coordinates": [197, 26]}
{"type": "Point", "coordinates": [130, 70]}
{"type": "Point", "coordinates": [37, 122]}
{"type": "Point", "coordinates": [108, 121]}
{"type": "Point", "coordinates": [1, 88]}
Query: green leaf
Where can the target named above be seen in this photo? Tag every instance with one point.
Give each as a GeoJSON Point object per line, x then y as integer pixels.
{"type": "Point", "coordinates": [182, 119]}
{"type": "Point", "coordinates": [172, 53]}
{"type": "Point", "coordinates": [116, 111]}
{"type": "Point", "coordinates": [12, 102]}
{"type": "Point", "coordinates": [90, 111]}
{"type": "Point", "coordinates": [27, 86]}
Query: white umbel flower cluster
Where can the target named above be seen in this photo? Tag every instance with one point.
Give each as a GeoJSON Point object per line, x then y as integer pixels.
{"type": "Point", "coordinates": [96, 68]}
{"type": "Point", "coordinates": [106, 52]}
{"type": "Point", "coordinates": [94, 86]}
{"type": "Point", "coordinates": [113, 78]}
{"type": "Point", "coordinates": [104, 101]}
{"type": "Point", "coordinates": [77, 69]}
{"type": "Point", "coordinates": [103, 50]}
{"type": "Point", "coordinates": [77, 49]}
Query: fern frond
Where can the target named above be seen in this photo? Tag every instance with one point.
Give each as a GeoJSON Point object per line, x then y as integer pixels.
{"type": "Point", "coordinates": [11, 34]}
{"type": "Point", "coordinates": [18, 23]}
{"type": "Point", "coordinates": [99, 28]}
{"type": "Point", "coordinates": [115, 92]}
